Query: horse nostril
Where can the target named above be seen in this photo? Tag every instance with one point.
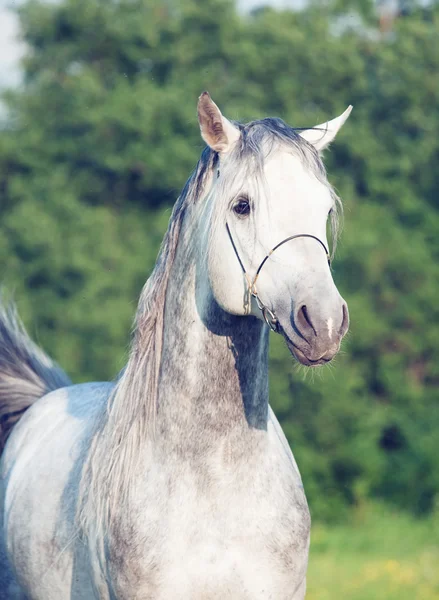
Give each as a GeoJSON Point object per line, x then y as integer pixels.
{"type": "Point", "coordinates": [345, 322]}
{"type": "Point", "coordinates": [304, 321]}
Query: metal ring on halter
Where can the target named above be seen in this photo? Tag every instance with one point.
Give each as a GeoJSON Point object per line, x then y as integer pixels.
{"type": "Point", "coordinates": [271, 320]}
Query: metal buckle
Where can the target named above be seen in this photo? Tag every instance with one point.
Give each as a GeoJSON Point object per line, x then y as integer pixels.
{"type": "Point", "coordinates": [269, 316]}
{"type": "Point", "coordinates": [272, 321]}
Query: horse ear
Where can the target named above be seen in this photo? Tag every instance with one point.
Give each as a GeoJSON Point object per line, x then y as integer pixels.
{"type": "Point", "coordinates": [322, 135]}
{"type": "Point", "coordinates": [216, 130]}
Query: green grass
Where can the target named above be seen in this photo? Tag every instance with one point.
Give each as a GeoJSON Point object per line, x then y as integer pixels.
{"type": "Point", "coordinates": [378, 555]}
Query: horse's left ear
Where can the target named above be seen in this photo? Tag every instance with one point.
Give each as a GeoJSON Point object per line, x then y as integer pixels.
{"type": "Point", "coordinates": [322, 135]}
{"type": "Point", "coordinates": [216, 130]}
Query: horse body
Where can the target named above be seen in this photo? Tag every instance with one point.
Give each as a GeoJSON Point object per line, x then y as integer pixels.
{"type": "Point", "coordinates": [222, 528]}
{"type": "Point", "coordinates": [176, 481]}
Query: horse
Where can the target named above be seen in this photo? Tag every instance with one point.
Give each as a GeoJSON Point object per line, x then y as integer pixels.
{"type": "Point", "coordinates": [175, 481]}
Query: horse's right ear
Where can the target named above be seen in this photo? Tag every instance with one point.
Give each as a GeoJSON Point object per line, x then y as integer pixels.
{"type": "Point", "coordinates": [216, 130]}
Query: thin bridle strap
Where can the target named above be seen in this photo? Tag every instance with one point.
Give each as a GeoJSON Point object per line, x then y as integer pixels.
{"type": "Point", "coordinates": [271, 320]}
{"type": "Point", "coordinates": [292, 237]}
{"type": "Point", "coordinates": [236, 250]}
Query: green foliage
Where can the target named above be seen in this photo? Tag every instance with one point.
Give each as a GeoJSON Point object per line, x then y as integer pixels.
{"type": "Point", "coordinates": [103, 134]}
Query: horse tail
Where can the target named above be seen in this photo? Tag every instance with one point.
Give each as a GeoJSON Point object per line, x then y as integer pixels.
{"type": "Point", "coordinates": [26, 372]}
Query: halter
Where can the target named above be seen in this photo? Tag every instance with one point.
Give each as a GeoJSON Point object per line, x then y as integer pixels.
{"type": "Point", "coordinates": [269, 315]}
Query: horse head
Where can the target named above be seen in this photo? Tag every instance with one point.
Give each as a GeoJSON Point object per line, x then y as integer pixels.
{"type": "Point", "coordinates": [270, 203]}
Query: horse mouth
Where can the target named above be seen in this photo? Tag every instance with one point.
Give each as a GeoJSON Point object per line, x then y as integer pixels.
{"type": "Point", "coordinates": [301, 357]}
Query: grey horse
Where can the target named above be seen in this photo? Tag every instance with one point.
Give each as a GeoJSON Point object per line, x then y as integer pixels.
{"type": "Point", "coordinates": [176, 482]}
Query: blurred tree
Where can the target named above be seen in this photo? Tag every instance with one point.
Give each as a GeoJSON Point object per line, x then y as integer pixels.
{"type": "Point", "coordinates": [102, 136]}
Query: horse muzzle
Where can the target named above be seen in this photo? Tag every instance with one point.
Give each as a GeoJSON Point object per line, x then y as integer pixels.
{"type": "Point", "coordinates": [314, 339]}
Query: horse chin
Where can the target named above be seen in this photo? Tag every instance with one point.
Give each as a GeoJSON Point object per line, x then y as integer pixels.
{"type": "Point", "coordinates": [301, 357]}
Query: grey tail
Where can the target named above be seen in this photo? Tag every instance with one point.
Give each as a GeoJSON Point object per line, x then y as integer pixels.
{"type": "Point", "coordinates": [26, 372]}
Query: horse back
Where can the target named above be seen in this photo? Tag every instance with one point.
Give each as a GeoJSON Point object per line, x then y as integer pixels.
{"type": "Point", "coordinates": [41, 467]}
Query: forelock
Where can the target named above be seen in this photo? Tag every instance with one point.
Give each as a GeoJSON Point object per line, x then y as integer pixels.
{"type": "Point", "coordinates": [260, 138]}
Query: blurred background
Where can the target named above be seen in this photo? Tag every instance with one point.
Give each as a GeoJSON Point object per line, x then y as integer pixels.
{"type": "Point", "coordinates": [98, 133]}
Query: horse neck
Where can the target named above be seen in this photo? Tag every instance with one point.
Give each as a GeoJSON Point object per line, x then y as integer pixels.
{"type": "Point", "coordinates": [214, 367]}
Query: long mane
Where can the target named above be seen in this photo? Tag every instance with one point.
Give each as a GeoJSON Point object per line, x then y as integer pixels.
{"type": "Point", "coordinates": [129, 417]}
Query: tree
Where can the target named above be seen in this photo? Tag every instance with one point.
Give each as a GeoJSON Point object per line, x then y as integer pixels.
{"type": "Point", "coordinates": [102, 136]}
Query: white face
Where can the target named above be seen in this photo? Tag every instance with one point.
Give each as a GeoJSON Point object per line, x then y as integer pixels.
{"type": "Point", "coordinates": [295, 282]}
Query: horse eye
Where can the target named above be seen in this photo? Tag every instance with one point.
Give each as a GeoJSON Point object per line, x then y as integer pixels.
{"type": "Point", "coordinates": [242, 207]}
